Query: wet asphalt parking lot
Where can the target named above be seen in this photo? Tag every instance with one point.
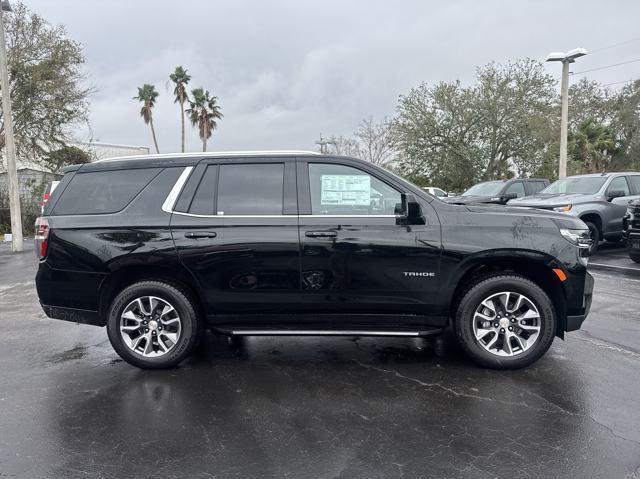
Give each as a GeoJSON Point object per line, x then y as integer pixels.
{"type": "Point", "coordinates": [315, 407]}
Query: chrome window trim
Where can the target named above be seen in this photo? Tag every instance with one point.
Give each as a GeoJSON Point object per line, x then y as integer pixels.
{"type": "Point", "coordinates": [170, 201]}
{"type": "Point", "coordinates": [172, 197]}
{"type": "Point", "coordinates": [280, 216]}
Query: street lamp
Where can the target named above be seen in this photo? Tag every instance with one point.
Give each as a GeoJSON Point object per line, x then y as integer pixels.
{"type": "Point", "coordinates": [566, 59]}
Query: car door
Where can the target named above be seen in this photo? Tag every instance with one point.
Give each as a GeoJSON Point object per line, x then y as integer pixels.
{"type": "Point", "coordinates": [617, 206]}
{"type": "Point", "coordinates": [238, 235]}
{"type": "Point", "coordinates": [355, 256]}
{"type": "Point", "coordinates": [516, 188]}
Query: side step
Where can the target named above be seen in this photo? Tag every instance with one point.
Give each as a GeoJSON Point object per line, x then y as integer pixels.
{"type": "Point", "coordinates": [248, 331]}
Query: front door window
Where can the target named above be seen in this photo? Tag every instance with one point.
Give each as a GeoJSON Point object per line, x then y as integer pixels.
{"type": "Point", "coordinates": [343, 190]}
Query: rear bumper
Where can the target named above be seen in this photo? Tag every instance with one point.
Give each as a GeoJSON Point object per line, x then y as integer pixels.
{"type": "Point", "coordinates": [574, 322]}
{"type": "Point", "coordinates": [84, 316]}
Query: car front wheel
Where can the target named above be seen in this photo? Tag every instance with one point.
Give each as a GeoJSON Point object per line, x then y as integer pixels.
{"type": "Point", "coordinates": [594, 232]}
{"type": "Point", "coordinates": [153, 325]}
{"type": "Point", "coordinates": [505, 322]}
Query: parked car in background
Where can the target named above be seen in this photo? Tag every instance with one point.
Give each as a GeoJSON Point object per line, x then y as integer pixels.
{"type": "Point", "coordinates": [499, 191]}
{"type": "Point", "coordinates": [51, 186]}
{"type": "Point", "coordinates": [631, 225]}
{"type": "Point", "coordinates": [293, 243]}
{"type": "Point", "coordinates": [600, 200]}
{"type": "Point", "coordinates": [437, 192]}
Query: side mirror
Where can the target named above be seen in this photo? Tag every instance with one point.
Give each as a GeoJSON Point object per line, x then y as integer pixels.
{"type": "Point", "coordinates": [410, 211]}
{"type": "Point", "coordinates": [615, 194]}
{"type": "Point", "coordinates": [509, 196]}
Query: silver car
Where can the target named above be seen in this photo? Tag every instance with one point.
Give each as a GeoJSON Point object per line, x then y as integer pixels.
{"type": "Point", "coordinates": [600, 200]}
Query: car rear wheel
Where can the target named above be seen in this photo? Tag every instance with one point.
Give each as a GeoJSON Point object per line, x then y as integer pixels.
{"type": "Point", "coordinates": [153, 325]}
{"type": "Point", "coordinates": [595, 236]}
{"type": "Point", "coordinates": [505, 322]}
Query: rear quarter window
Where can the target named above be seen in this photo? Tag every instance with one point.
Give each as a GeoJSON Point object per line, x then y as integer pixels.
{"type": "Point", "coordinates": [99, 192]}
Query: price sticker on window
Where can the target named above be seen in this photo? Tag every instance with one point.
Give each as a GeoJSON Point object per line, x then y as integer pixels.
{"type": "Point", "coordinates": [345, 190]}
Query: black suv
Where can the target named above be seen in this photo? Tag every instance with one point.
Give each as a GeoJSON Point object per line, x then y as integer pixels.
{"type": "Point", "coordinates": [292, 243]}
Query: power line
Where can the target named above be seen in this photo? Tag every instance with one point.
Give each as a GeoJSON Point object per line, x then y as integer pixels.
{"type": "Point", "coordinates": [615, 45]}
{"type": "Point", "coordinates": [622, 81]}
{"type": "Point", "coordinates": [608, 66]}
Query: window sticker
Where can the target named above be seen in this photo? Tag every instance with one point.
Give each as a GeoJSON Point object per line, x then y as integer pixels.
{"type": "Point", "coordinates": [345, 190]}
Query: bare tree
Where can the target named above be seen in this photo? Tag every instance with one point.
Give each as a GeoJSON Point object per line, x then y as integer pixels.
{"type": "Point", "coordinates": [341, 146]}
{"type": "Point", "coordinates": [376, 141]}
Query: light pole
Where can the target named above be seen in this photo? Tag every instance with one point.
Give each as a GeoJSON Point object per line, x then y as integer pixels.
{"type": "Point", "coordinates": [324, 143]}
{"type": "Point", "coordinates": [12, 173]}
{"type": "Point", "coordinates": [566, 59]}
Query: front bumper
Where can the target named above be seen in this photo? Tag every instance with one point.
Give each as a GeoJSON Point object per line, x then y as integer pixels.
{"type": "Point", "coordinates": [574, 322]}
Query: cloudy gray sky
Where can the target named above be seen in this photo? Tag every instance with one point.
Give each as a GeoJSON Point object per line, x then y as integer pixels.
{"type": "Point", "coordinates": [287, 70]}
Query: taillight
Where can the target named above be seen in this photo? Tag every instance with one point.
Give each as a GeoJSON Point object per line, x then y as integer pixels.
{"type": "Point", "coordinates": [45, 198]}
{"type": "Point", "coordinates": [42, 237]}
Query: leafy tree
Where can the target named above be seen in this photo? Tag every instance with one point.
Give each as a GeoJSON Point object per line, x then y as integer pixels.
{"type": "Point", "coordinates": [46, 76]}
{"type": "Point", "coordinates": [457, 135]}
{"type": "Point", "coordinates": [436, 129]}
{"type": "Point", "coordinates": [589, 100]}
{"type": "Point", "coordinates": [65, 156]}
{"type": "Point", "coordinates": [203, 113]}
{"type": "Point", "coordinates": [147, 94]}
{"type": "Point", "coordinates": [591, 146]}
{"type": "Point", "coordinates": [180, 78]}
{"type": "Point", "coordinates": [625, 125]}
{"type": "Point", "coordinates": [515, 102]}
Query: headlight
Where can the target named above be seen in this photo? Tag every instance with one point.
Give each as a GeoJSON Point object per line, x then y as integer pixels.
{"type": "Point", "coordinates": [581, 238]}
{"type": "Point", "coordinates": [563, 209]}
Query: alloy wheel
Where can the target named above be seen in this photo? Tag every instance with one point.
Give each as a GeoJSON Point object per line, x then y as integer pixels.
{"type": "Point", "coordinates": [506, 323]}
{"type": "Point", "coordinates": [150, 326]}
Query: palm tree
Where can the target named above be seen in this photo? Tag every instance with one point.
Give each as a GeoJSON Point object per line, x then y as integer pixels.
{"type": "Point", "coordinates": [592, 146]}
{"type": "Point", "coordinates": [203, 113]}
{"type": "Point", "coordinates": [180, 77]}
{"type": "Point", "coordinates": [148, 94]}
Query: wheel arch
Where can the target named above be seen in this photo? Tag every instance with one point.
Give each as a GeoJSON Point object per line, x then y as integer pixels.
{"type": "Point", "coordinates": [128, 275]}
{"type": "Point", "coordinates": [596, 219]}
{"type": "Point", "coordinates": [535, 267]}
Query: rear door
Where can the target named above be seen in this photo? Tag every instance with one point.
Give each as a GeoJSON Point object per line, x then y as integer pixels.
{"type": "Point", "coordinates": [355, 256]}
{"type": "Point", "coordinates": [236, 230]}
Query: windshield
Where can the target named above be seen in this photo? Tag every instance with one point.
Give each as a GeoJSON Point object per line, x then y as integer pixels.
{"type": "Point", "coordinates": [586, 185]}
{"type": "Point", "coordinates": [489, 188]}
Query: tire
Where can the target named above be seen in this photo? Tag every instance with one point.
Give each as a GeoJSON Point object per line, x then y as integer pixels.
{"type": "Point", "coordinates": [522, 354]}
{"type": "Point", "coordinates": [595, 236]}
{"type": "Point", "coordinates": [179, 338]}
{"type": "Point", "coordinates": [633, 254]}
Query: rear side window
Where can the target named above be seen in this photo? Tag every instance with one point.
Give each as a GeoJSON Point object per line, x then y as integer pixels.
{"type": "Point", "coordinates": [251, 189]}
{"type": "Point", "coordinates": [203, 199]}
{"type": "Point", "coordinates": [102, 191]}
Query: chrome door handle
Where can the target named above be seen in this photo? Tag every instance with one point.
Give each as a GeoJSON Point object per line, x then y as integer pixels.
{"type": "Point", "coordinates": [320, 234]}
{"type": "Point", "coordinates": [200, 234]}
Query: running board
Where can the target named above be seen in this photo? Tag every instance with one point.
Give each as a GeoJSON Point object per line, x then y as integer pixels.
{"type": "Point", "coordinates": [327, 332]}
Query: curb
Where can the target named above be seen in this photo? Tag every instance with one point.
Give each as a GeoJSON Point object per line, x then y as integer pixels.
{"type": "Point", "coordinates": [626, 270]}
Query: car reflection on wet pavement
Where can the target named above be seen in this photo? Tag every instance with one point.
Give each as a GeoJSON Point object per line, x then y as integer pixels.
{"type": "Point", "coordinates": [315, 407]}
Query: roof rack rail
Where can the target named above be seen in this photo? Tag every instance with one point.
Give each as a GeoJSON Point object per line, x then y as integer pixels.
{"type": "Point", "coordinates": [213, 154]}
